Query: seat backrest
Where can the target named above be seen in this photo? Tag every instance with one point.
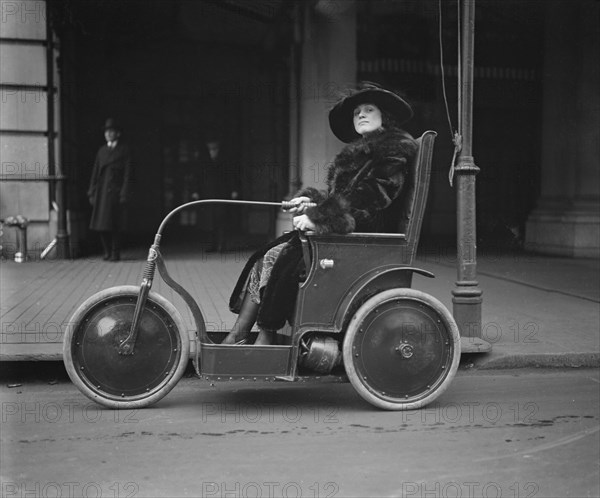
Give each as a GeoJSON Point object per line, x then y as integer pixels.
{"type": "Point", "coordinates": [412, 205]}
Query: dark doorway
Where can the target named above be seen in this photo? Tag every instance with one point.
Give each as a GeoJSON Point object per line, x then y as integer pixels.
{"type": "Point", "coordinates": [175, 72]}
{"type": "Point", "coordinates": [399, 47]}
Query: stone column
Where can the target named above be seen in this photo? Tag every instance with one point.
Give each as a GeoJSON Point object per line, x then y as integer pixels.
{"type": "Point", "coordinates": [328, 64]}
{"type": "Point", "coordinates": [566, 220]}
{"type": "Point", "coordinates": [26, 121]}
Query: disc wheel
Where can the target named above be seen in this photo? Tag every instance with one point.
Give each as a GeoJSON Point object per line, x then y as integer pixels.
{"type": "Point", "coordinates": [401, 349]}
{"type": "Point", "coordinates": [91, 348]}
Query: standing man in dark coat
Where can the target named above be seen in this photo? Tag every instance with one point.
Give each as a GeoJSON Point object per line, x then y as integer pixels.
{"type": "Point", "coordinates": [110, 190]}
{"type": "Point", "coordinates": [220, 182]}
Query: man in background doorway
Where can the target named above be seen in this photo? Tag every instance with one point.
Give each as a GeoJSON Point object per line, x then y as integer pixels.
{"type": "Point", "coordinates": [221, 182]}
{"type": "Point", "coordinates": [110, 189]}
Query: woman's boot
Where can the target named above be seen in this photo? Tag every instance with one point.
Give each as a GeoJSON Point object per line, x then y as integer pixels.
{"type": "Point", "coordinates": [243, 325]}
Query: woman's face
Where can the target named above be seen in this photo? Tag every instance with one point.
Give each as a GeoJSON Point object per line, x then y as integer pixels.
{"type": "Point", "coordinates": [367, 118]}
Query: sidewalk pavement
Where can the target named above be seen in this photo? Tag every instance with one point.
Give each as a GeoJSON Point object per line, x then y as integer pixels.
{"type": "Point", "coordinates": [537, 311]}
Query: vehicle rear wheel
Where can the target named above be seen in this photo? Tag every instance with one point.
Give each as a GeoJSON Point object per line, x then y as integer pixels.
{"type": "Point", "coordinates": [401, 349]}
{"type": "Point", "coordinates": [91, 348]}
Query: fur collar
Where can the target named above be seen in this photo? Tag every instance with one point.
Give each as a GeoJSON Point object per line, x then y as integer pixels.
{"type": "Point", "coordinates": [392, 142]}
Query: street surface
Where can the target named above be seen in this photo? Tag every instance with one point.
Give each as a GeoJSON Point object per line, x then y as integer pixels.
{"type": "Point", "coordinates": [519, 433]}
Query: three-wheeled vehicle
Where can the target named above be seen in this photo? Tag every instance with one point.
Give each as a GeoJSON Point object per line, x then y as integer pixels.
{"type": "Point", "coordinates": [356, 318]}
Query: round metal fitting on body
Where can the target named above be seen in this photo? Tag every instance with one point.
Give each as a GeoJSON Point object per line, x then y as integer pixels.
{"type": "Point", "coordinates": [326, 263]}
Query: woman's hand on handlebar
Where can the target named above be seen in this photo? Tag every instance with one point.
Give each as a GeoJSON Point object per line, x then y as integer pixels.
{"type": "Point", "coordinates": [299, 206]}
{"type": "Point", "coordinates": [303, 223]}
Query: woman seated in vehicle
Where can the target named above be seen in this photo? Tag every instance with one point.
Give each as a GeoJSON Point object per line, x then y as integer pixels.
{"type": "Point", "coordinates": [362, 182]}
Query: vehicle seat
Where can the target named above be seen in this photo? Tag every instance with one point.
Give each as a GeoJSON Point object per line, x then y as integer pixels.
{"type": "Point", "coordinates": [341, 267]}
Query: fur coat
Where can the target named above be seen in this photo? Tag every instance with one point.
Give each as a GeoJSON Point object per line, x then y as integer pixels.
{"type": "Point", "coordinates": [363, 180]}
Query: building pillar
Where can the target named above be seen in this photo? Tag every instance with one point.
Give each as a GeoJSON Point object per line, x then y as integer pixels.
{"type": "Point", "coordinates": [328, 66]}
{"type": "Point", "coordinates": [326, 48]}
{"type": "Point", "coordinates": [566, 220]}
{"type": "Point", "coordinates": [28, 123]}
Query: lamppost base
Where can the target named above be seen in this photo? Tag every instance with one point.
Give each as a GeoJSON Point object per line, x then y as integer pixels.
{"type": "Point", "coordinates": [467, 300]}
{"type": "Point", "coordinates": [474, 345]}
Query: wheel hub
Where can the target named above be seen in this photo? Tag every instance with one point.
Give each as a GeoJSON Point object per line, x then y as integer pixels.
{"type": "Point", "coordinates": [405, 350]}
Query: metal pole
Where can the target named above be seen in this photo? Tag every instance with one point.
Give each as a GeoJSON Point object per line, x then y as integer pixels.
{"type": "Point", "coordinates": [467, 298]}
{"type": "Point", "coordinates": [298, 54]}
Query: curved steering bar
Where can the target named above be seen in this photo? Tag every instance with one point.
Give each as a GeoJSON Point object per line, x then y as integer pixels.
{"type": "Point", "coordinates": [126, 347]}
{"type": "Point", "coordinates": [282, 204]}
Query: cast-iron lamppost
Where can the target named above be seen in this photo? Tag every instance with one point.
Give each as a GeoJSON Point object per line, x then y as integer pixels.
{"type": "Point", "coordinates": [467, 298]}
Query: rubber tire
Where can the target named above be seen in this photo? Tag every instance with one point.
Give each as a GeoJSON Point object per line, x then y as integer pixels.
{"type": "Point", "coordinates": [361, 386]}
{"type": "Point", "coordinates": [168, 382]}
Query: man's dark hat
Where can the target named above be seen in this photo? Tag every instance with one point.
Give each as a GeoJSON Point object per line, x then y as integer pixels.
{"type": "Point", "coordinates": [341, 116]}
{"type": "Point", "coordinates": [112, 124]}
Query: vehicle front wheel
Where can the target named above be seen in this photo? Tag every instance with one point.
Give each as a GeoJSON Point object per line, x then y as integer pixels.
{"type": "Point", "coordinates": [91, 348]}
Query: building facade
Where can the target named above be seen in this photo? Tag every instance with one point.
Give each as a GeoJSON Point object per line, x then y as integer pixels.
{"type": "Point", "coordinates": [262, 76]}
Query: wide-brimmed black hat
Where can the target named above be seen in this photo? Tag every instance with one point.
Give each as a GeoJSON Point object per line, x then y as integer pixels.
{"type": "Point", "coordinates": [112, 124]}
{"type": "Point", "coordinates": [341, 116]}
